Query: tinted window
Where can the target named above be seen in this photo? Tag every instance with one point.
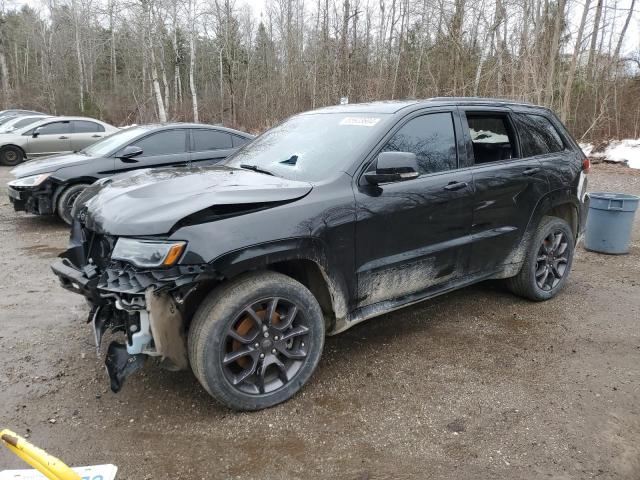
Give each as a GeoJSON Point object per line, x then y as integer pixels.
{"type": "Point", "coordinates": [239, 141]}
{"type": "Point", "coordinates": [210, 140]}
{"type": "Point", "coordinates": [432, 138]}
{"type": "Point", "coordinates": [116, 141]}
{"type": "Point", "coordinates": [163, 143]}
{"type": "Point", "coordinates": [491, 137]}
{"type": "Point", "coordinates": [83, 126]}
{"type": "Point", "coordinates": [538, 136]}
{"type": "Point", "coordinates": [54, 128]}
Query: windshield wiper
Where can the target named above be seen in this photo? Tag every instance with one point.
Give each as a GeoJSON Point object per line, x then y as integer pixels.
{"type": "Point", "coordinates": [255, 168]}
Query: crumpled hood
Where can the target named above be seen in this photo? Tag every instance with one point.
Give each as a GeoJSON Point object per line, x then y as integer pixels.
{"type": "Point", "coordinates": [50, 164]}
{"type": "Point", "coordinates": [151, 201]}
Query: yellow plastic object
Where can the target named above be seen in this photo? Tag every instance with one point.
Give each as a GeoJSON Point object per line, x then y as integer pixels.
{"type": "Point", "coordinates": [46, 464]}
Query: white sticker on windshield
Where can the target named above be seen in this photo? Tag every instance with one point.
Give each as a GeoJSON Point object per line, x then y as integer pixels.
{"type": "Point", "coordinates": [360, 121]}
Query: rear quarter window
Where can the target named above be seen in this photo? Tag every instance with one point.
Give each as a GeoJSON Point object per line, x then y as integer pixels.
{"type": "Point", "coordinates": [538, 136]}
{"type": "Point", "coordinates": [85, 126]}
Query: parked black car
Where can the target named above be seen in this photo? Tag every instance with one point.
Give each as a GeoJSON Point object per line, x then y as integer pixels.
{"type": "Point", "coordinates": [51, 185]}
{"type": "Point", "coordinates": [328, 219]}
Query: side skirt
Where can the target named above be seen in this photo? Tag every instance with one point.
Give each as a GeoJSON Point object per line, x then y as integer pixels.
{"type": "Point", "coordinates": [365, 313]}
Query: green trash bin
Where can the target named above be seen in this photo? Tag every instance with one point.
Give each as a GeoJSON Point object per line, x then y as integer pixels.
{"type": "Point", "coordinates": [610, 222]}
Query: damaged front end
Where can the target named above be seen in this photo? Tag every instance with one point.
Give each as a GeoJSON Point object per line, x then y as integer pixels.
{"type": "Point", "coordinates": [146, 303]}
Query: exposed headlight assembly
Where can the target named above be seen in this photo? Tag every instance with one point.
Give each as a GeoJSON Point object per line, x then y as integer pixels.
{"type": "Point", "coordinates": [147, 253]}
{"type": "Point", "coordinates": [30, 181]}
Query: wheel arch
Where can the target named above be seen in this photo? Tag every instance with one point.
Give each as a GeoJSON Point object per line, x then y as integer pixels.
{"type": "Point", "coordinates": [306, 260]}
{"type": "Point", "coordinates": [558, 203]}
{"type": "Point", "coordinates": [61, 187]}
{"type": "Point", "coordinates": [561, 204]}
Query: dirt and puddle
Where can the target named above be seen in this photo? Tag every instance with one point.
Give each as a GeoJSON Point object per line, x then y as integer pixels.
{"type": "Point", "coordinates": [474, 384]}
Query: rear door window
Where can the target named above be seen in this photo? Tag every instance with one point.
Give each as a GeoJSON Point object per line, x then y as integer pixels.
{"type": "Point", "coordinates": [492, 137]}
{"type": "Point", "coordinates": [204, 140]}
{"type": "Point", "coordinates": [433, 140]}
{"type": "Point", "coordinates": [167, 142]}
{"type": "Point", "coordinates": [85, 126]}
{"type": "Point", "coordinates": [538, 136]}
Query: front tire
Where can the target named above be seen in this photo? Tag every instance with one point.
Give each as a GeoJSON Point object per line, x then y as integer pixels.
{"type": "Point", "coordinates": [255, 341]}
{"type": "Point", "coordinates": [548, 261]}
{"type": "Point", "coordinates": [66, 201]}
{"type": "Point", "coordinates": [11, 156]}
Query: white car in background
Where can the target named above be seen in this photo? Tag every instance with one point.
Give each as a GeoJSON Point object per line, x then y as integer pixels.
{"type": "Point", "coordinates": [50, 136]}
{"type": "Point", "coordinates": [21, 121]}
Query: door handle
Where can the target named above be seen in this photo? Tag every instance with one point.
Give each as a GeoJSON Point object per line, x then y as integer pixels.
{"type": "Point", "coordinates": [63, 138]}
{"type": "Point", "coordinates": [128, 160]}
{"type": "Point", "coordinates": [531, 171]}
{"type": "Point", "coordinates": [452, 186]}
{"type": "Point", "coordinates": [96, 136]}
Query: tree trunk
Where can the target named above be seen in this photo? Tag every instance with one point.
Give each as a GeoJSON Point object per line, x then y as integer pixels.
{"type": "Point", "coordinates": [162, 114]}
{"type": "Point", "coordinates": [112, 27]}
{"type": "Point", "coordinates": [594, 38]}
{"type": "Point", "coordinates": [4, 71]}
{"type": "Point", "coordinates": [192, 62]}
{"type": "Point", "coordinates": [554, 52]}
{"type": "Point", "coordinates": [564, 111]}
{"type": "Point", "coordinates": [74, 6]}
{"type": "Point", "coordinates": [616, 53]}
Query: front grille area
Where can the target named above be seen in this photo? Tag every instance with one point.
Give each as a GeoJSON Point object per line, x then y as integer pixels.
{"type": "Point", "coordinates": [125, 278]}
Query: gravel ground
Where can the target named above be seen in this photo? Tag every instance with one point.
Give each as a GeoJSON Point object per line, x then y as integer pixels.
{"type": "Point", "coordinates": [474, 384]}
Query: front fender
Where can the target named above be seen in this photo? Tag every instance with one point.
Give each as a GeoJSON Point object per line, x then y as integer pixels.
{"type": "Point", "coordinates": [263, 255]}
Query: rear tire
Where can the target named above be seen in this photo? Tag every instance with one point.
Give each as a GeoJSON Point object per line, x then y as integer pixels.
{"type": "Point", "coordinates": [11, 156]}
{"type": "Point", "coordinates": [548, 262]}
{"type": "Point", "coordinates": [66, 200]}
{"type": "Point", "coordinates": [250, 353]}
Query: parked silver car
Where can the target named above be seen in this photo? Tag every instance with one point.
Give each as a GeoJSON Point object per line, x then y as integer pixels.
{"type": "Point", "coordinates": [50, 136]}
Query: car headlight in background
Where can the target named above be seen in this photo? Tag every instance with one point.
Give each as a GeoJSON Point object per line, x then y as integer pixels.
{"type": "Point", "coordinates": [30, 181]}
{"type": "Point", "coordinates": [147, 253]}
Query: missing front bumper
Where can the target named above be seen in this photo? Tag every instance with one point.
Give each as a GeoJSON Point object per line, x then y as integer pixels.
{"type": "Point", "coordinates": [151, 321]}
{"type": "Point", "coordinates": [38, 202]}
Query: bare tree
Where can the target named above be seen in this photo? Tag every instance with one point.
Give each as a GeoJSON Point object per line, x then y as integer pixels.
{"type": "Point", "coordinates": [564, 111]}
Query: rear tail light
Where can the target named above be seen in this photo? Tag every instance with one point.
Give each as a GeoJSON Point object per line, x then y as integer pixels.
{"type": "Point", "coordinates": [586, 165]}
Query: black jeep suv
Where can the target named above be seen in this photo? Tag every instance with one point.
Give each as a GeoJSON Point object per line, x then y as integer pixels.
{"type": "Point", "coordinates": [328, 219]}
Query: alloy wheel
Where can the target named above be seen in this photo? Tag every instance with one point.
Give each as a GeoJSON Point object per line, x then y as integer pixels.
{"type": "Point", "coordinates": [552, 260]}
{"type": "Point", "coordinates": [265, 346]}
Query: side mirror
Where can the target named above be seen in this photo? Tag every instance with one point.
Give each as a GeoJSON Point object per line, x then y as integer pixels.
{"type": "Point", "coordinates": [130, 152]}
{"type": "Point", "coordinates": [393, 167]}
{"type": "Point", "coordinates": [36, 132]}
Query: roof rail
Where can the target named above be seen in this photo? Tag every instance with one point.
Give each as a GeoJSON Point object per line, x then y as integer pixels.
{"type": "Point", "coordinates": [480, 100]}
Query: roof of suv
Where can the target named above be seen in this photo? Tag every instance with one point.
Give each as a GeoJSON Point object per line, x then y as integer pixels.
{"type": "Point", "coordinates": [394, 106]}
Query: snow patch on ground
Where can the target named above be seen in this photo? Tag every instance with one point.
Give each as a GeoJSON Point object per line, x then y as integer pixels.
{"type": "Point", "coordinates": [587, 148]}
{"type": "Point", "coordinates": [623, 151]}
